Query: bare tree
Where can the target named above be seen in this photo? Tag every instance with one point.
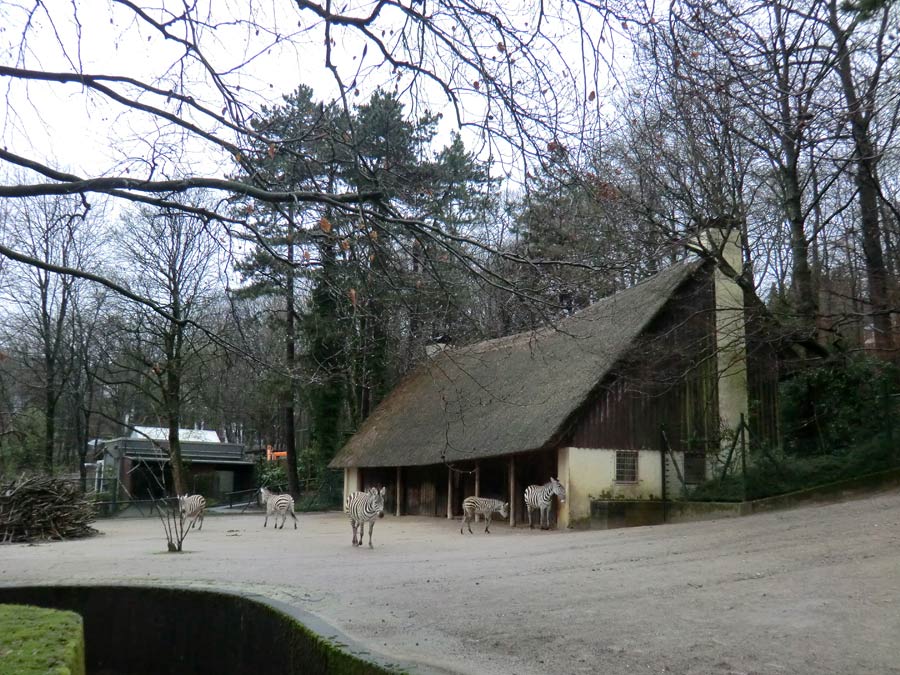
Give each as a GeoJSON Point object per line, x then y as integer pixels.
{"type": "Point", "coordinates": [767, 59]}
{"type": "Point", "coordinates": [89, 359]}
{"type": "Point", "coordinates": [173, 263]}
{"type": "Point", "coordinates": [497, 71]}
{"type": "Point", "coordinates": [56, 232]}
{"type": "Point", "coordinates": [864, 51]}
{"type": "Point", "coordinates": [738, 122]}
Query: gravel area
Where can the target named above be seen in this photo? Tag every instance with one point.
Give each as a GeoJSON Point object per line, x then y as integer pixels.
{"type": "Point", "coordinates": [813, 590]}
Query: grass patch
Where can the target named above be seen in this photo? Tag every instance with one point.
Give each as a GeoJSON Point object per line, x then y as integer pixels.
{"type": "Point", "coordinates": [38, 641]}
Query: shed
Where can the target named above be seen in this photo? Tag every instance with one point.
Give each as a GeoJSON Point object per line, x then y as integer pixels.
{"type": "Point", "coordinates": [140, 462]}
{"type": "Point", "coordinates": [589, 400]}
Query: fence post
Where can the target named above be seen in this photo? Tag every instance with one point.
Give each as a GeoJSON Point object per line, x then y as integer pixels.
{"type": "Point", "coordinates": [662, 459]}
{"type": "Point", "coordinates": [668, 448]}
{"type": "Point", "coordinates": [743, 457]}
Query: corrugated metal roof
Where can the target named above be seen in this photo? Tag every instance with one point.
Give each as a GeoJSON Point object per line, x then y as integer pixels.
{"type": "Point", "coordinates": [511, 394]}
{"type": "Point", "coordinates": [162, 434]}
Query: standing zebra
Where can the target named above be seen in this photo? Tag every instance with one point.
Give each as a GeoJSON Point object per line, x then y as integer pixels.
{"type": "Point", "coordinates": [540, 497]}
{"type": "Point", "coordinates": [192, 506]}
{"type": "Point", "coordinates": [486, 507]}
{"type": "Point", "coordinates": [280, 505]}
{"type": "Point", "coordinates": [364, 507]}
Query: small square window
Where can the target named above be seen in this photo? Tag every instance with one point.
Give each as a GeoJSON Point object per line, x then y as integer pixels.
{"type": "Point", "coordinates": [694, 467]}
{"type": "Point", "coordinates": [626, 466]}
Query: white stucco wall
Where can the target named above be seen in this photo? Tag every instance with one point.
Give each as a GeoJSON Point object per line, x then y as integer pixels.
{"type": "Point", "coordinates": [351, 481]}
{"type": "Point", "coordinates": [588, 473]}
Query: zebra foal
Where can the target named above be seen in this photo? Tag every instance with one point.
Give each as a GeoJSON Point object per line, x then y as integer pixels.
{"type": "Point", "coordinates": [485, 507]}
{"type": "Point", "coordinates": [540, 497]}
{"type": "Point", "coordinates": [364, 507]}
{"type": "Point", "coordinates": [280, 505]}
{"type": "Point", "coordinates": [192, 506]}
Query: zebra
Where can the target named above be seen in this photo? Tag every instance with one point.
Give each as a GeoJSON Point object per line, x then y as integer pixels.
{"type": "Point", "coordinates": [486, 507]}
{"type": "Point", "coordinates": [192, 506]}
{"type": "Point", "coordinates": [364, 507]}
{"type": "Point", "coordinates": [280, 505]}
{"type": "Point", "coordinates": [540, 497]}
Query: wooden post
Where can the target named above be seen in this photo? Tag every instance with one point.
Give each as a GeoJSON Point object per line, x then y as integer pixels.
{"type": "Point", "coordinates": [449, 493]}
{"type": "Point", "coordinates": [399, 490]}
{"type": "Point", "coordinates": [512, 491]}
{"type": "Point", "coordinates": [662, 470]}
{"type": "Point", "coordinates": [477, 486]}
{"type": "Point", "coordinates": [743, 457]}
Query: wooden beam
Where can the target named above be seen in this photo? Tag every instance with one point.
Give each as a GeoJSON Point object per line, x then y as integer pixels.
{"type": "Point", "coordinates": [397, 510]}
{"type": "Point", "coordinates": [449, 493]}
{"type": "Point", "coordinates": [512, 491]}
{"type": "Point", "coordinates": [477, 486]}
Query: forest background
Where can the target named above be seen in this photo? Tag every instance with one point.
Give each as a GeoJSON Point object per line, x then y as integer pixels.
{"type": "Point", "coordinates": [268, 215]}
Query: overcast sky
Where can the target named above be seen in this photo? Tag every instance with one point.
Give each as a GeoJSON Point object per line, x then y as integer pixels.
{"type": "Point", "coordinates": [86, 134]}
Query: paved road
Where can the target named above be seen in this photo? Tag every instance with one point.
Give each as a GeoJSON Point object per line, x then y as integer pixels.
{"type": "Point", "coordinates": [810, 591]}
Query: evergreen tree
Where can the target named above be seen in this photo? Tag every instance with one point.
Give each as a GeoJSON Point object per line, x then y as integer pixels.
{"type": "Point", "coordinates": [362, 288]}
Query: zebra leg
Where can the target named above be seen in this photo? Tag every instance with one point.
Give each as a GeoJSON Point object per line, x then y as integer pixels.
{"type": "Point", "coordinates": [528, 511]}
{"type": "Point", "coordinates": [545, 517]}
{"type": "Point", "coordinates": [371, 526]}
{"type": "Point", "coordinates": [267, 519]}
{"type": "Point", "coordinates": [294, 516]}
{"type": "Point", "coordinates": [487, 520]}
{"type": "Point", "coordinates": [470, 516]}
{"type": "Point", "coordinates": [201, 523]}
{"type": "Point", "coordinates": [353, 525]}
{"type": "Point", "coordinates": [463, 522]}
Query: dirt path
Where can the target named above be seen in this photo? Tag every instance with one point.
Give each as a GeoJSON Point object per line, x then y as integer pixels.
{"type": "Point", "coordinates": [809, 591]}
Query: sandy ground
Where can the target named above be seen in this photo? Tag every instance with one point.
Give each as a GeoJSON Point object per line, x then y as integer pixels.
{"type": "Point", "coordinates": [814, 590]}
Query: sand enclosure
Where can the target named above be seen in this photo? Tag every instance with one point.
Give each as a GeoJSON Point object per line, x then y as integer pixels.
{"type": "Point", "coordinates": [813, 590]}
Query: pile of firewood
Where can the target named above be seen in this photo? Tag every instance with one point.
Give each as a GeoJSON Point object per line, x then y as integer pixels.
{"type": "Point", "coordinates": [39, 508]}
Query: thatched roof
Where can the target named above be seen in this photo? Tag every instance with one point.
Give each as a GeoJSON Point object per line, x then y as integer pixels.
{"type": "Point", "coordinates": [511, 394]}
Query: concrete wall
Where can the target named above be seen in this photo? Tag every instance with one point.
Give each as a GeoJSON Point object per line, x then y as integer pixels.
{"type": "Point", "coordinates": [147, 631]}
{"type": "Point", "coordinates": [351, 482]}
{"type": "Point", "coordinates": [590, 474]}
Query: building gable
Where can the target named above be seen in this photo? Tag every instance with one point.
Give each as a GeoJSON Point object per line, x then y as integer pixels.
{"type": "Point", "coordinates": [512, 394]}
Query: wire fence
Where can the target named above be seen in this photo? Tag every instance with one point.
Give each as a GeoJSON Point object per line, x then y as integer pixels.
{"type": "Point", "coordinates": [323, 493]}
{"type": "Point", "coordinates": [745, 469]}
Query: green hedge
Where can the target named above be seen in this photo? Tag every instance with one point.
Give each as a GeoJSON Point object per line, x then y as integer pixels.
{"type": "Point", "coordinates": [39, 641]}
{"type": "Point", "coordinates": [775, 472]}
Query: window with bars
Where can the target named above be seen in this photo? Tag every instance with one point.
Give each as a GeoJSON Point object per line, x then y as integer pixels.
{"type": "Point", "coordinates": [694, 467]}
{"type": "Point", "coordinates": [626, 466]}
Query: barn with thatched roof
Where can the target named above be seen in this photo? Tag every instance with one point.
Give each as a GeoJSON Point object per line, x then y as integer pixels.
{"type": "Point", "coordinates": [629, 398]}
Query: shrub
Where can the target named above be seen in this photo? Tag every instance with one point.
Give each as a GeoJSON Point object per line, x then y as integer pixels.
{"type": "Point", "coordinates": [832, 408]}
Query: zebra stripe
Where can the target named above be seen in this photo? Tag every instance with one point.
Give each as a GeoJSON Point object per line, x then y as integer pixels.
{"type": "Point", "coordinates": [364, 507]}
{"type": "Point", "coordinates": [192, 506]}
{"type": "Point", "coordinates": [280, 505]}
{"type": "Point", "coordinates": [484, 507]}
{"type": "Point", "coordinates": [541, 497]}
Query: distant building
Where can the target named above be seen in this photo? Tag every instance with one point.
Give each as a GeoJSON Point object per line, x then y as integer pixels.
{"type": "Point", "coordinates": [140, 462]}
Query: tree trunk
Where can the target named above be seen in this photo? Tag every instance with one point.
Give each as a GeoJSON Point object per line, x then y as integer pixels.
{"type": "Point", "coordinates": [172, 401]}
{"type": "Point", "coordinates": [49, 427]}
{"type": "Point", "coordinates": [860, 111]}
{"type": "Point", "coordinates": [290, 435]}
{"type": "Point", "coordinates": [804, 292]}
{"type": "Point", "coordinates": [178, 478]}
{"type": "Point", "coordinates": [790, 134]}
{"type": "Point", "coordinates": [876, 274]}
{"type": "Point", "coordinates": [81, 444]}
